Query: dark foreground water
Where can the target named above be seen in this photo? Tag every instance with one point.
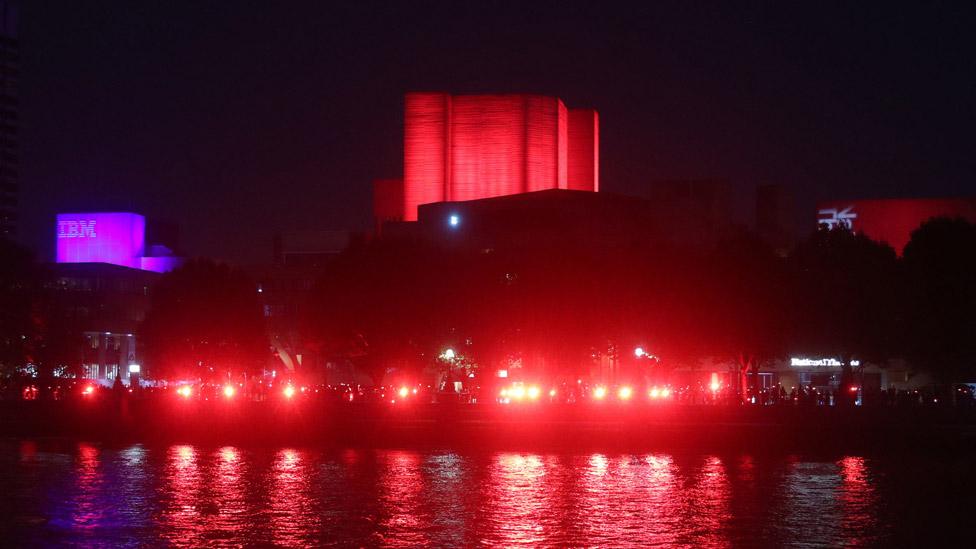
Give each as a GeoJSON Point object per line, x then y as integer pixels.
{"type": "Point", "coordinates": [87, 494]}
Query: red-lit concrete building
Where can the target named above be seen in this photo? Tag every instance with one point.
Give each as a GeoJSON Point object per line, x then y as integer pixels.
{"type": "Point", "coordinates": [892, 220]}
{"type": "Point", "coordinates": [468, 147]}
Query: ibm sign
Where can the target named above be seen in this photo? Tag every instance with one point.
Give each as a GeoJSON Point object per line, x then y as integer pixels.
{"type": "Point", "coordinates": [77, 229]}
{"type": "Point", "coordinates": [117, 237]}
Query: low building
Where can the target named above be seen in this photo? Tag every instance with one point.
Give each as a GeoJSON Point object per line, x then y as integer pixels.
{"type": "Point", "coordinates": [98, 307]}
{"type": "Point", "coordinates": [99, 290]}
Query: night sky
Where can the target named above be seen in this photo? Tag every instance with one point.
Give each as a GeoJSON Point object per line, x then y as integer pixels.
{"type": "Point", "coordinates": [239, 119]}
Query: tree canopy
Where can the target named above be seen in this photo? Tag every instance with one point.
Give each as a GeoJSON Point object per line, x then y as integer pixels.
{"type": "Point", "coordinates": [204, 322]}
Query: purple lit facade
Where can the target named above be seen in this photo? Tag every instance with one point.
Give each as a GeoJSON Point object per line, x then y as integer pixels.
{"type": "Point", "coordinates": [117, 238]}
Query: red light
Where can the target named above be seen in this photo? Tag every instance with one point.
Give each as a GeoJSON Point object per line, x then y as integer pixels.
{"type": "Point", "coordinates": [625, 393]}
{"type": "Point", "coordinates": [289, 391]}
{"type": "Point", "coordinates": [89, 390]}
{"type": "Point", "coordinates": [552, 392]}
{"type": "Point", "coordinates": [655, 392]}
{"type": "Point", "coordinates": [404, 392]}
{"type": "Point", "coordinates": [185, 391]}
{"type": "Point", "coordinates": [229, 391]}
{"type": "Point", "coordinates": [517, 392]}
{"type": "Point", "coordinates": [665, 393]}
{"type": "Point", "coordinates": [533, 392]}
{"type": "Point", "coordinates": [599, 393]}
{"type": "Point", "coordinates": [853, 389]}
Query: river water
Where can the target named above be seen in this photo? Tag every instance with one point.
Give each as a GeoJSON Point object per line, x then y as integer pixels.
{"type": "Point", "coordinates": [87, 494]}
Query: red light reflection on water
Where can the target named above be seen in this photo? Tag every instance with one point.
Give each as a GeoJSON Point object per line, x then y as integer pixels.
{"type": "Point", "coordinates": [402, 499]}
{"type": "Point", "coordinates": [229, 489]}
{"type": "Point", "coordinates": [857, 500]}
{"type": "Point", "coordinates": [181, 517]}
{"type": "Point", "coordinates": [517, 499]}
{"type": "Point", "coordinates": [603, 500]}
{"type": "Point", "coordinates": [293, 510]}
{"type": "Point", "coordinates": [88, 510]}
{"type": "Point", "coordinates": [665, 502]}
{"type": "Point", "coordinates": [28, 450]}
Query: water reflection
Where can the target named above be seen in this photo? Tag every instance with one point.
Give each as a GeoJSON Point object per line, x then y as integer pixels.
{"type": "Point", "coordinates": [857, 502]}
{"type": "Point", "coordinates": [228, 493]}
{"type": "Point", "coordinates": [518, 499]}
{"type": "Point", "coordinates": [87, 512]}
{"type": "Point", "coordinates": [227, 496]}
{"type": "Point", "coordinates": [181, 516]}
{"type": "Point", "coordinates": [293, 513]}
{"type": "Point", "coordinates": [402, 493]}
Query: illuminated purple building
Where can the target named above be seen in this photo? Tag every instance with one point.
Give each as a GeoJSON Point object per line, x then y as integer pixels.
{"type": "Point", "coordinates": [116, 238]}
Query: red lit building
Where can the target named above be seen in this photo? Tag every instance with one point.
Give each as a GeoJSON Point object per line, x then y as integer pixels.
{"type": "Point", "coordinates": [468, 147]}
{"type": "Point", "coordinates": [892, 220]}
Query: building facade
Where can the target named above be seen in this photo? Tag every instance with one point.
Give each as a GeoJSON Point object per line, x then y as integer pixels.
{"type": "Point", "coordinates": [98, 308]}
{"type": "Point", "coordinates": [468, 147]}
{"type": "Point", "coordinates": [115, 238]}
{"type": "Point", "coordinates": [9, 82]}
{"type": "Point", "coordinates": [99, 291]}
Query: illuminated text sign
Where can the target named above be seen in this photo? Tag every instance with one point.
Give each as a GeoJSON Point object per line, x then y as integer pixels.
{"type": "Point", "coordinates": [82, 228]}
{"type": "Point", "coordinates": [820, 362]}
{"type": "Point", "coordinates": [836, 217]}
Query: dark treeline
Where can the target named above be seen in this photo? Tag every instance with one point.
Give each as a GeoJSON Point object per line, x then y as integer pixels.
{"type": "Point", "coordinates": [837, 294]}
{"type": "Point", "coordinates": [397, 305]}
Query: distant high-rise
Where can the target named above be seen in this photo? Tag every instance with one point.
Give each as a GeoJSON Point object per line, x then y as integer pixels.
{"type": "Point", "coordinates": [468, 147]}
{"type": "Point", "coordinates": [9, 79]}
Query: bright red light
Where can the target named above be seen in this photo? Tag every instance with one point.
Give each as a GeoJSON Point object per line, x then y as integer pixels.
{"type": "Point", "coordinates": [552, 392]}
{"type": "Point", "coordinates": [624, 393]}
{"type": "Point", "coordinates": [289, 391]}
{"type": "Point", "coordinates": [854, 389]}
{"type": "Point", "coordinates": [404, 392]}
{"type": "Point", "coordinates": [655, 392]}
{"type": "Point", "coordinates": [533, 392]}
{"type": "Point", "coordinates": [599, 393]}
{"type": "Point", "coordinates": [89, 390]}
{"type": "Point", "coordinates": [229, 391]}
{"type": "Point", "coordinates": [517, 392]}
{"type": "Point", "coordinates": [185, 391]}
{"type": "Point", "coordinates": [665, 393]}
{"type": "Point", "coordinates": [715, 383]}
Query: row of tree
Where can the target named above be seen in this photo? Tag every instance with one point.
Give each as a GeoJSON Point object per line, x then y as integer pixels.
{"type": "Point", "coordinates": [837, 294]}
{"type": "Point", "coordinates": [395, 304]}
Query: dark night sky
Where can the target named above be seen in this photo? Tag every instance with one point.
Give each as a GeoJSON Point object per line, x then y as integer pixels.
{"type": "Point", "coordinates": [239, 119]}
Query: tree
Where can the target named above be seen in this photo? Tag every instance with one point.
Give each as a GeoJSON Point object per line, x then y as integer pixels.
{"type": "Point", "coordinates": [204, 322]}
{"type": "Point", "coordinates": [18, 291]}
{"type": "Point", "coordinates": [940, 265]}
{"type": "Point", "coordinates": [845, 299]}
{"type": "Point", "coordinates": [387, 304]}
{"type": "Point", "coordinates": [746, 314]}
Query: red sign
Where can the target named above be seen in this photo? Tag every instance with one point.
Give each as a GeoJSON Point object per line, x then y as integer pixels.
{"type": "Point", "coordinates": [892, 220]}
